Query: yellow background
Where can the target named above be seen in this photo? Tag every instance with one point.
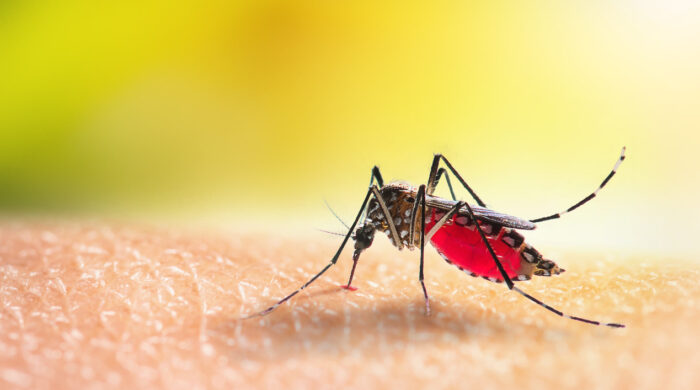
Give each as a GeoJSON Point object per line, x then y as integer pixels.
{"type": "Point", "coordinates": [254, 112]}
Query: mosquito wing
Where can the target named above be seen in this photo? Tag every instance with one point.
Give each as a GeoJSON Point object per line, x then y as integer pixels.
{"type": "Point", "coordinates": [481, 213]}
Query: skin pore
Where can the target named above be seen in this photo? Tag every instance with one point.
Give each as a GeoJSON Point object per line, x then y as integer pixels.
{"type": "Point", "coordinates": [101, 304]}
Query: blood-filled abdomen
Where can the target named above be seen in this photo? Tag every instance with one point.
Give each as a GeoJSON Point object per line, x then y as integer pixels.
{"type": "Point", "coordinates": [459, 243]}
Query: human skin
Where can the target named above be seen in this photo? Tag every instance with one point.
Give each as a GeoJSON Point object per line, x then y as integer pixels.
{"type": "Point", "coordinates": [126, 305]}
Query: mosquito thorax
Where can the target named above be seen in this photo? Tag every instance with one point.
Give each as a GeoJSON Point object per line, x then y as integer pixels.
{"type": "Point", "coordinates": [399, 198]}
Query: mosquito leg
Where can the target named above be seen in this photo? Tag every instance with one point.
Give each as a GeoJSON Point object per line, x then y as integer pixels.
{"type": "Point", "coordinates": [435, 176]}
{"type": "Point", "coordinates": [392, 228]}
{"type": "Point", "coordinates": [414, 215]}
{"type": "Point", "coordinates": [441, 172]}
{"type": "Point", "coordinates": [332, 262]}
{"type": "Point", "coordinates": [376, 175]}
{"type": "Point", "coordinates": [589, 197]}
{"type": "Point", "coordinates": [510, 285]}
{"type": "Point", "coordinates": [420, 197]}
{"type": "Point", "coordinates": [387, 216]}
{"type": "Point", "coordinates": [443, 220]}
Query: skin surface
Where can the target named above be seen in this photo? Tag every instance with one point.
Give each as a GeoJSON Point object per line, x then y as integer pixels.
{"type": "Point", "coordinates": [113, 305]}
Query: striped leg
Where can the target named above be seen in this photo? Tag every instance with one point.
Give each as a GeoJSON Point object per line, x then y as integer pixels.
{"type": "Point", "coordinates": [332, 262]}
{"type": "Point", "coordinates": [589, 197]}
{"type": "Point", "coordinates": [510, 285]}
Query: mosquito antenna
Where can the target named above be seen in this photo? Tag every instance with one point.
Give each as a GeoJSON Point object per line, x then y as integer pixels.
{"type": "Point", "coordinates": [335, 215]}
{"type": "Point", "coordinates": [589, 197]}
{"type": "Point", "coordinates": [333, 233]}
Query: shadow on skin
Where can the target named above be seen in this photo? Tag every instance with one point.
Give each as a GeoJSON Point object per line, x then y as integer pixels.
{"type": "Point", "coordinates": [384, 326]}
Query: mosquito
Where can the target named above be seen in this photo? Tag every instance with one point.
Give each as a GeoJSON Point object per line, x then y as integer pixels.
{"type": "Point", "coordinates": [479, 241]}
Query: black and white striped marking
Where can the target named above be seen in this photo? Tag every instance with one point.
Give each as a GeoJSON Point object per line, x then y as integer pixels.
{"type": "Point", "coordinates": [559, 313]}
{"type": "Point", "coordinates": [589, 197]}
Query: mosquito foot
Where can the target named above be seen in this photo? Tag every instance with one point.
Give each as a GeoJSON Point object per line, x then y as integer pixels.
{"type": "Point", "coordinates": [349, 287]}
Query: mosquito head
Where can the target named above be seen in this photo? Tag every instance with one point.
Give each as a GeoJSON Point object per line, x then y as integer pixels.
{"type": "Point", "coordinates": [364, 235]}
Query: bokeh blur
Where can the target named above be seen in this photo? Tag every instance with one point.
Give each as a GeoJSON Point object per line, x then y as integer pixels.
{"type": "Point", "coordinates": [255, 112]}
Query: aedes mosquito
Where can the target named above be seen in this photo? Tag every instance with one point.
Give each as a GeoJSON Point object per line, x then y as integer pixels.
{"type": "Point", "coordinates": [479, 241]}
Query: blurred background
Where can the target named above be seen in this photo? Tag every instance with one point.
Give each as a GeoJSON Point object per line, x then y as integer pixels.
{"type": "Point", "coordinates": [253, 113]}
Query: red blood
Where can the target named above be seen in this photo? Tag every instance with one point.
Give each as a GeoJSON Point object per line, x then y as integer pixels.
{"type": "Point", "coordinates": [463, 246]}
{"type": "Point", "coordinates": [347, 287]}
